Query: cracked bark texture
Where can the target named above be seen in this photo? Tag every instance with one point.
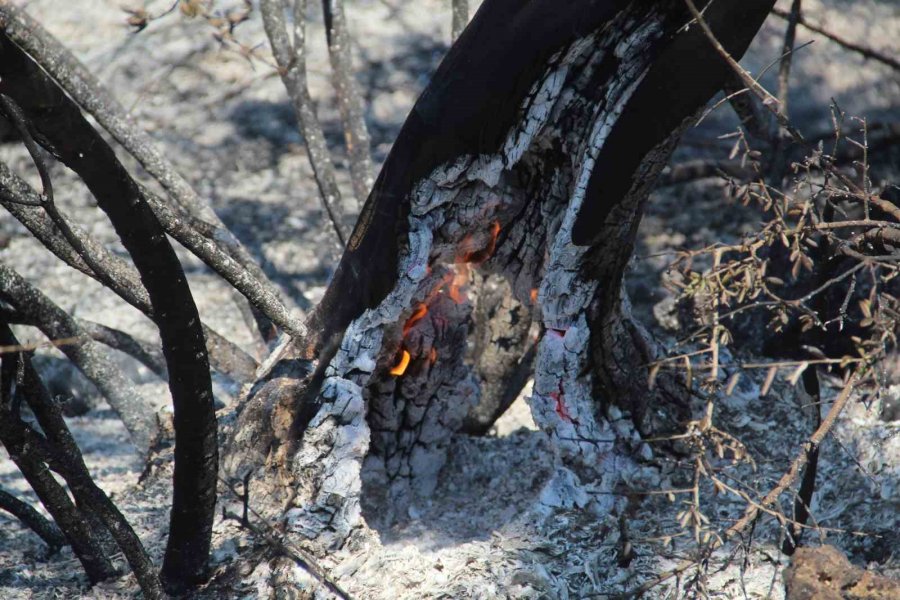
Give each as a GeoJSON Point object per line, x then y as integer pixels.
{"type": "Point", "coordinates": [501, 352]}
{"type": "Point", "coordinates": [539, 177]}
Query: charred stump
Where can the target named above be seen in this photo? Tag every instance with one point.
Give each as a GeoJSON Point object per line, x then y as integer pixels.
{"type": "Point", "coordinates": [528, 159]}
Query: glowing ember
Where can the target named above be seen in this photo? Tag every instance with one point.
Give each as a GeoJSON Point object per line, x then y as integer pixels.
{"type": "Point", "coordinates": [469, 254]}
{"type": "Point", "coordinates": [534, 296]}
{"type": "Point", "coordinates": [432, 355]}
{"type": "Point", "coordinates": [417, 315]}
{"type": "Point", "coordinates": [561, 409]}
{"type": "Point", "coordinates": [400, 367]}
{"type": "Point", "coordinates": [455, 289]}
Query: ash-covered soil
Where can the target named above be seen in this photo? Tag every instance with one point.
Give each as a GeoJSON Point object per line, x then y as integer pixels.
{"type": "Point", "coordinates": [495, 528]}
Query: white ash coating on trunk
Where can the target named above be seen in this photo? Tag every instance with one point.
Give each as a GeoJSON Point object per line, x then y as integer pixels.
{"type": "Point", "coordinates": [454, 216]}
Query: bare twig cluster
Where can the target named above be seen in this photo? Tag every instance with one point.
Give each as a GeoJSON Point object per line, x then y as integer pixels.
{"type": "Point", "coordinates": [820, 271]}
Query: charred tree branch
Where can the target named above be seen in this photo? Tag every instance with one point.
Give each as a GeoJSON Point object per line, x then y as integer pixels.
{"type": "Point", "coordinates": [85, 542]}
{"type": "Point", "coordinates": [94, 98]}
{"type": "Point", "coordinates": [33, 520]}
{"type": "Point", "coordinates": [133, 408]}
{"type": "Point", "coordinates": [229, 269]}
{"type": "Point", "coordinates": [140, 350]}
{"type": "Point", "coordinates": [226, 357]}
{"type": "Point", "coordinates": [350, 102]}
{"type": "Point", "coordinates": [291, 60]}
{"type": "Point", "coordinates": [65, 132]}
{"type": "Point", "coordinates": [61, 452]}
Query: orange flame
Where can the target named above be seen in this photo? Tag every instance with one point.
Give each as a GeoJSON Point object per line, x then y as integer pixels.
{"type": "Point", "coordinates": [534, 296]}
{"type": "Point", "coordinates": [417, 315]}
{"type": "Point", "coordinates": [400, 367]}
{"type": "Point", "coordinates": [454, 290]}
{"type": "Point", "coordinates": [468, 254]}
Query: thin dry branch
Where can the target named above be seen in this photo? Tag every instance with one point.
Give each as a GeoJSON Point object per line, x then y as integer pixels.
{"type": "Point", "coordinates": [229, 269]}
{"type": "Point", "coordinates": [133, 408]}
{"type": "Point", "coordinates": [275, 540]}
{"type": "Point", "coordinates": [784, 69]}
{"type": "Point", "coordinates": [98, 101]}
{"type": "Point", "coordinates": [33, 520]}
{"type": "Point", "coordinates": [142, 351]}
{"type": "Point", "coordinates": [865, 51]}
{"type": "Point", "coordinates": [121, 277]}
{"type": "Point", "coordinates": [177, 226]}
{"type": "Point", "coordinates": [809, 450]}
{"type": "Point", "coordinates": [350, 102]}
{"type": "Point", "coordinates": [291, 60]}
{"type": "Point", "coordinates": [772, 104]}
{"type": "Point", "coordinates": [753, 509]}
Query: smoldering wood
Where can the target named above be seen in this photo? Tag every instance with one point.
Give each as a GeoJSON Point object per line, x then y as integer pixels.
{"type": "Point", "coordinates": [540, 177]}
{"type": "Point", "coordinates": [502, 350]}
{"type": "Point", "coordinates": [61, 128]}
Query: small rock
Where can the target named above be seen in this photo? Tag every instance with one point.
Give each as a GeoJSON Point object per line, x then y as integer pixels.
{"type": "Point", "coordinates": [824, 573]}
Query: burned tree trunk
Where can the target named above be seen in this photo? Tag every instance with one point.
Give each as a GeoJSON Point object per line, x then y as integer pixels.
{"type": "Point", "coordinates": [529, 157]}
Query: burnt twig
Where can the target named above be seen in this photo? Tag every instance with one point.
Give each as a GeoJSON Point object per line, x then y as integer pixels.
{"type": "Point", "coordinates": [94, 98]}
{"type": "Point", "coordinates": [291, 60]}
{"type": "Point", "coordinates": [59, 450]}
{"type": "Point", "coordinates": [133, 408]}
{"type": "Point", "coordinates": [63, 128]}
{"type": "Point", "coordinates": [142, 351]}
{"type": "Point", "coordinates": [33, 520]}
{"type": "Point", "coordinates": [865, 51]}
{"type": "Point", "coordinates": [86, 543]}
{"type": "Point", "coordinates": [123, 279]}
{"type": "Point", "coordinates": [350, 102]}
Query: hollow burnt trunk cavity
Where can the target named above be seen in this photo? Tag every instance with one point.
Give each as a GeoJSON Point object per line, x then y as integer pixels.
{"type": "Point", "coordinates": [538, 178]}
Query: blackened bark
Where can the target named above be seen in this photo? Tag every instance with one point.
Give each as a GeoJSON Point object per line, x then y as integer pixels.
{"type": "Point", "coordinates": [86, 543]}
{"type": "Point", "coordinates": [61, 453]}
{"type": "Point", "coordinates": [35, 521]}
{"type": "Point", "coordinates": [530, 155]}
{"type": "Point", "coordinates": [682, 79]}
{"type": "Point", "coordinates": [60, 127]}
{"type": "Point", "coordinates": [502, 354]}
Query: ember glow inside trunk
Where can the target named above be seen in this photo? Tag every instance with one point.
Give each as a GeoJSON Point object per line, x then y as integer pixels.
{"type": "Point", "coordinates": [527, 160]}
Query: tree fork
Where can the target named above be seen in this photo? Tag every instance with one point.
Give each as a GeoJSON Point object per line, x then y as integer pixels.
{"type": "Point", "coordinates": [541, 177]}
